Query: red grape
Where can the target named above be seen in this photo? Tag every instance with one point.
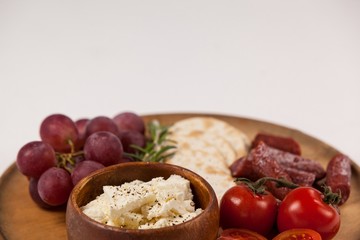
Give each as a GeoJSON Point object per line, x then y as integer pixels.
{"type": "Point", "coordinates": [59, 131]}
{"type": "Point", "coordinates": [101, 123]}
{"type": "Point", "coordinates": [79, 147]}
{"type": "Point", "coordinates": [54, 186]}
{"type": "Point", "coordinates": [81, 127]}
{"type": "Point", "coordinates": [103, 147]}
{"type": "Point", "coordinates": [129, 138]}
{"type": "Point", "coordinates": [34, 158]}
{"type": "Point", "coordinates": [83, 169]}
{"type": "Point", "coordinates": [127, 159]}
{"type": "Point", "coordinates": [129, 121]}
{"type": "Point", "coordinates": [34, 194]}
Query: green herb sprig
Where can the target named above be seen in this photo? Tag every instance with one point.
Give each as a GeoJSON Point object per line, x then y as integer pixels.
{"type": "Point", "coordinates": [158, 146]}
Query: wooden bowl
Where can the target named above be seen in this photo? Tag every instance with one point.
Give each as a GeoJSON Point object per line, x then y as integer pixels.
{"type": "Point", "coordinates": [81, 227]}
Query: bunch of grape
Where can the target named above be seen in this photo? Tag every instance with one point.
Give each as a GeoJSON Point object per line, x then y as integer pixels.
{"type": "Point", "coordinates": [70, 150]}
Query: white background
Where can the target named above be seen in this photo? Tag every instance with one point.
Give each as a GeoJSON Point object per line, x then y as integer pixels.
{"type": "Point", "coordinates": [295, 63]}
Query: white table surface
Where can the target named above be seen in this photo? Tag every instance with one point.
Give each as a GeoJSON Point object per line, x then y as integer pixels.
{"type": "Point", "coordinates": [295, 63]}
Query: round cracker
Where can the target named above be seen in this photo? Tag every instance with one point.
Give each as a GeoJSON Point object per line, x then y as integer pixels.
{"type": "Point", "coordinates": [219, 182]}
{"type": "Point", "coordinates": [202, 138]}
{"type": "Point", "coordinates": [208, 164]}
{"type": "Point", "coordinates": [208, 159]}
{"type": "Point", "coordinates": [236, 138]}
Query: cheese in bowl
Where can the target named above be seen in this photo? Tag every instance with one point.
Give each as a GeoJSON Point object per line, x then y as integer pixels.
{"type": "Point", "coordinates": [143, 205]}
{"type": "Point", "coordinates": [181, 193]}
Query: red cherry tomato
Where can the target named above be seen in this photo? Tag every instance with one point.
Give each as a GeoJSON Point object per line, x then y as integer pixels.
{"type": "Point", "coordinates": [240, 207]}
{"type": "Point", "coordinates": [304, 207]}
{"type": "Point", "coordinates": [298, 234]}
{"type": "Point", "coordinates": [240, 234]}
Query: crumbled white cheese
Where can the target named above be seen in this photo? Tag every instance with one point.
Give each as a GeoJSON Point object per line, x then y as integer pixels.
{"type": "Point", "coordinates": [143, 205]}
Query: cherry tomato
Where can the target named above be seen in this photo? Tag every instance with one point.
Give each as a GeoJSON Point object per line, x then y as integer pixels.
{"type": "Point", "coordinates": [240, 234]}
{"type": "Point", "coordinates": [240, 207]}
{"type": "Point", "coordinates": [298, 234]}
{"type": "Point", "coordinates": [304, 207]}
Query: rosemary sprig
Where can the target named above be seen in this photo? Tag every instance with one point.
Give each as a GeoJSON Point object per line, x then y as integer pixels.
{"type": "Point", "coordinates": [158, 146]}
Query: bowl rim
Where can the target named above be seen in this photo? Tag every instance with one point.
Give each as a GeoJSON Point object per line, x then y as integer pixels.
{"type": "Point", "coordinates": [82, 182]}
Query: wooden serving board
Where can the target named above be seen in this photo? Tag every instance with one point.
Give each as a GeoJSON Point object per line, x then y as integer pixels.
{"type": "Point", "coordinates": [21, 218]}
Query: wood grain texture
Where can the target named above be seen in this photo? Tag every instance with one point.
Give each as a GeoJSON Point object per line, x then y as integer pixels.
{"type": "Point", "coordinates": [20, 218]}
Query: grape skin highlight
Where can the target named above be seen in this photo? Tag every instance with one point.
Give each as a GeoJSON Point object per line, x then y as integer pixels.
{"type": "Point", "coordinates": [54, 186]}
{"type": "Point", "coordinates": [83, 169]}
{"type": "Point", "coordinates": [129, 121]}
{"type": "Point", "coordinates": [103, 147]}
{"type": "Point", "coordinates": [34, 158]}
{"type": "Point", "coordinates": [101, 123]}
{"type": "Point", "coordinates": [59, 131]}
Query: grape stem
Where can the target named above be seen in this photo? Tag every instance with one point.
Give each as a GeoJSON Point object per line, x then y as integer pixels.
{"type": "Point", "coordinates": [63, 159]}
{"type": "Point", "coordinates": [72, 146]}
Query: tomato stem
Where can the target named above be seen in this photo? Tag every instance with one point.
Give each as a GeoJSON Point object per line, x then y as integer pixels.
{"type": "Point", "coordinates": [259, 187]}
{"type": "Point", "coordinates": [330, 197]}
